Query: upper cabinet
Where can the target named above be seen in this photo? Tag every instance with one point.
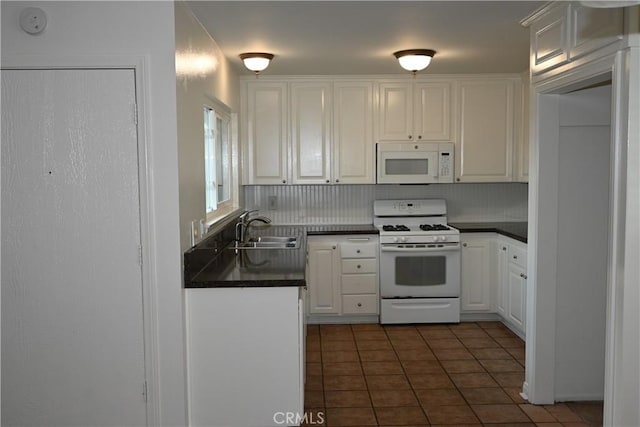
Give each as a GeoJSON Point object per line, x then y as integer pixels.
{"type": "Point", "coordinates": [308, 132]}
{"type": "Point", "coordinates": [353, 159]}
{"type": "Point", "coordinates": [311, 132]}
{"type": "Point", "coordinates": [324, 131]}
{"type": "Point", "coordinates": [414, 111]}
{"type": "Point", "coordinates": [266, 151]}
{"type": "Point", "coordinates": [488, 114]}
{"type": "Point", "coordinates": [564, 32]}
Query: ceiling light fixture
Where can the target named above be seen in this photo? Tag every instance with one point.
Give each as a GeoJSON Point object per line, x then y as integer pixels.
{"type": "Point", "coordinates": [414, 60]}
{"type": "Point", "coordinates": [256, 61]}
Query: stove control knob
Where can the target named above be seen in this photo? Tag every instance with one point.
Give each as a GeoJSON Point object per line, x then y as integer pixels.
{"type": "Point", "coordinates": [403, 239]}
{"type": "Point", "coordinates": [443, 238]}
{"type": "Point", "coordinates": [395, 240]}
{"type": "Point", "coordinates": [435, 238]}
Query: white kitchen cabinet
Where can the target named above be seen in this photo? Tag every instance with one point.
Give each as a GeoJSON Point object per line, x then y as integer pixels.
{"type": "Point", "coordinates": [476, 278]}
{"type": "Point", "coordinates": [323, 275]}
{"type": "Point", "coordinates": [511, 289]}
{"type": "Point", "coordinates": [353, 158]}
{"type": "Point", "coordinates": [517, 283]}
{"type": "Point", "coordinates": [502, 276]}
{"type": "Point", "coordinates": [342, 278]}
{"type": "Point", "coordinates": [564, 32]}
{"type": "Point", "coordinates": [311, 132]}
{"type": "Point", "coordinates": [414, 111]}
{"type": "Point", "coordinates": [522, 144]}
{"type": "Point", "coordinates": [488, 113]}
{"type": "Point", "coordinates": [242, 344]}
{"type": "Point", "coordinates": [266, 158]}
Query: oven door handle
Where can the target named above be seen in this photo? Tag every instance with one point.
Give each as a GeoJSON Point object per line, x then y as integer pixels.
{"type": "Point", "coordinates": [384, 248]}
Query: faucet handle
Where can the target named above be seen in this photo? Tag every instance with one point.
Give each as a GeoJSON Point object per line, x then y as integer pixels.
{"type": "Point", "coordinates": [245, 214]}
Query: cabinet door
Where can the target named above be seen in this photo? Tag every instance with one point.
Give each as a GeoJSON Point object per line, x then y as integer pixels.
{"type": "Point", "coordinates": [323, 277]}
{"type": "Point", "coordinates": [517, 296]}
{"type": "Point", "coordinates": [475, 278]}
{"type": "Point", "coordinates": [266, 154]}
{"type": "Point", "coordinates": [549, 44]}
{"type": "Point", "coordinates": [395, 120]}
{"type": "Point", "coordinates": [311, 132]}
{"type": "Point", "coordinates": [432, 111]}
{"type": "Point", "coordinates": [502, 276]}
{"type": "Point", "coordinates": [484, 150]}
{"type": "Point", "coordinates": [522, 149]}
{"type": "Point", "coordinates": [352, 133]}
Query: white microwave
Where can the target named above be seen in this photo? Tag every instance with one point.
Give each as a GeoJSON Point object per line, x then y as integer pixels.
{"type": "Point", "coordinates": [414, 163]}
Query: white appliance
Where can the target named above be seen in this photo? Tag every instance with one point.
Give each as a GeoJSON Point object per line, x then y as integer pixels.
{"type": "Point", "coordinates": [414, 163]}
{"type": "Point", "coordinates": [419, 262]}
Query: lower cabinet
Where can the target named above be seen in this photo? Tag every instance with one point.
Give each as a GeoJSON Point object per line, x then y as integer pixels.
{"type": "Point", "coordinates": [494, 278]}
{"type": "Point", "coordinates": [476, 276]}
{"type": "Point", "coordinates": [242, 345]}
{"type": "Point", "coordinates": [342, 278]}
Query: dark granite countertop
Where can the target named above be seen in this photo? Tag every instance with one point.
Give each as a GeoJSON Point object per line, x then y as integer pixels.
{"type": "Point", "coordinates": [214, 263]}
{"type": "Point", "coordinates": [514, 230]}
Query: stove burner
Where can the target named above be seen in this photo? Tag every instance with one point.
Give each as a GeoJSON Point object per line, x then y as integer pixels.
{"type": "Point", "coordinates": [433, 227]}
{"type": "Point", "coordinates": [395, 228]}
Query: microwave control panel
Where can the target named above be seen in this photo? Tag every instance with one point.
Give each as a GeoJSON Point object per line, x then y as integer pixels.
{"type": "Point", "coordinates": [445, 164]}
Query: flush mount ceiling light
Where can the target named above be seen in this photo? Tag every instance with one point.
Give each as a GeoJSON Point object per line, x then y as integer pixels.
{"type": "Point", "coordinates": [414, 60]}
{"type": "Point", "coordinates": [256, 61]}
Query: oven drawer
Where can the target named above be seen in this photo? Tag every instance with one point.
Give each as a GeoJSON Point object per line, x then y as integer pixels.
{"type": "Point", "coordinates": [359, 248]}
{"type": "Point", "coordinates": [359, 284]}
{"type": "Point", "coordinates": [352, 266]}
{"type": "Point", "coordinates": [420, 310]}
{"type": "Point", "coordinates": [360, 304]}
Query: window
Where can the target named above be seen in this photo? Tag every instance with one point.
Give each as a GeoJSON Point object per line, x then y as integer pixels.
{"type": "Point", "coordinates": [217, 161]}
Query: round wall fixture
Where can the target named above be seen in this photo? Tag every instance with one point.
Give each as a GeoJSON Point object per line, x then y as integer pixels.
{"type": "Point", "coordinates": [33, 20]}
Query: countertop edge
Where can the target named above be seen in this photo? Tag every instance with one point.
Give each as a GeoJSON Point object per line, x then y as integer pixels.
{"type": "Point", "coordinates": [468, 227]}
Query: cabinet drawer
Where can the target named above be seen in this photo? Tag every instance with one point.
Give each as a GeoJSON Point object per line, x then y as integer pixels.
{"type": "Point", "coordinates": [365, 265]}
{"type": "Point", "coordinates": [360, 304]}
{"type": "Point", "coordinates": [359, 284]}
{"type": "Point", "coordinates": [359, 248]}
{"type": "Point", "coordinates": [518, 256]}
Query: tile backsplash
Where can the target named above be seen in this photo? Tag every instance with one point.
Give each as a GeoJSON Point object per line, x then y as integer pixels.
{"type": "Point", "coordinates": [353, 204]}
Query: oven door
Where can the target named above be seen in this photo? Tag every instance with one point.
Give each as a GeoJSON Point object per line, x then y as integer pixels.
{"type": "Point", "coordinates": [420, 271]}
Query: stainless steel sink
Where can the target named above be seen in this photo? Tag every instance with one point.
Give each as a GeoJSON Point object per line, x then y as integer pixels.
{"type": "Point", "coordinates": [270, 242]}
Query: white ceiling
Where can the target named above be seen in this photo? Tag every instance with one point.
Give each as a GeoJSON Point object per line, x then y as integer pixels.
{"type": "Point", "coordinates": [359, 37]}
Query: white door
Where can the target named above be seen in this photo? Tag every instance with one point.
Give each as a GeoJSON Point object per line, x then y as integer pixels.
{"type": "Point", "coordinates": [72, 333]}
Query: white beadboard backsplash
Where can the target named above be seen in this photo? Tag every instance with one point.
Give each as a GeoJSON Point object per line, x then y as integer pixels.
{"type": "Point", "coordinates": [353, 204]}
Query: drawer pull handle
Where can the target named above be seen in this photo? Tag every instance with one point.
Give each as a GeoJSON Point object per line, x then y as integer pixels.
{"type": "Point", "coordinates": [359, 304]}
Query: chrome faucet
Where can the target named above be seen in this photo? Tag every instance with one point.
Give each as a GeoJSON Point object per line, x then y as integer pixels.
{"type": "Point", "coordinates": [244, 222]}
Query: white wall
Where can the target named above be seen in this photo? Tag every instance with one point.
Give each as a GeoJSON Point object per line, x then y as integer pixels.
{"type": "Point", "coordinates": [76, 31]}
{"type": "Point", "coordinates": [353, 204]}
{"type": "Point", "coordinates": [583, 225]}
{"type": "Point", "coordinates": [203, 73]}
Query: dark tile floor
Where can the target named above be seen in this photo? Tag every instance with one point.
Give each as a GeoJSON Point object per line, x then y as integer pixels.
{"type": "Point", "coordinates": [463, 374]}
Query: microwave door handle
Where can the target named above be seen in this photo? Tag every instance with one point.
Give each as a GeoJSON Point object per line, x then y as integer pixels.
{"type": "Point", "coordinates": [397, 249]}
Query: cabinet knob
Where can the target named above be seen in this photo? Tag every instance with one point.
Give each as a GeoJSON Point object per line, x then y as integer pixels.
{"type": "Point", "coordinates": [337, 180]}
{"type": "Point", "coordinates": [358, 266]}
{"type": "Point", "coordinates": [464, 244]}
{"type": "Point", "coordinates": [358, 251]}
{"type": "Point", "coordinates": [333, 247]}
{"type": "Point", "coordinates": [410, 137]}
{"type": "Point", "coordinates": [457, 179]}
{"type": "Point", "coordinates": [419, 136]}
{"type": "Point", "coordinates": [515, 257]}
{"type": "Point", "coordinates": [284, 181]}
{"type": "Point", "coordinates": [504, 248]}
{"type": "Point", "coordinates": [327, 181]}
{"type": "Point", "coordinates": [522, 275]}
{"type": "Point", "coordinates": [359, 304]}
